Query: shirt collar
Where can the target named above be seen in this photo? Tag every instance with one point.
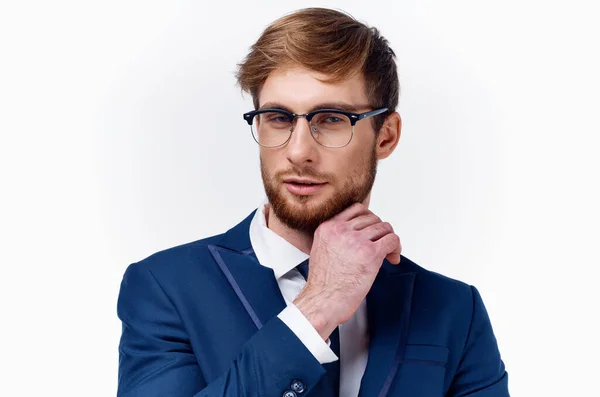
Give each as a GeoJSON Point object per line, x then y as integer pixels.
{"type": "Point", "coordinates": [271, 249]}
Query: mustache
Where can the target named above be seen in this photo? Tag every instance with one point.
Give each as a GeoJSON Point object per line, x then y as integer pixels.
{"type": "Point", "coordinates": [302, 173]}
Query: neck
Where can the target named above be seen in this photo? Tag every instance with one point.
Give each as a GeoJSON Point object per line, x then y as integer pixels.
{"type": "Point", "coordinates": [302, 241]}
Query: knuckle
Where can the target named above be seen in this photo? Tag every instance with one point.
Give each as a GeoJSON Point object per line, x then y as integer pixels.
{"type": "Point", "coordinates": [338, 228]}
{"type": "Point", "coordinates": [323, 230]}
{"type": "Point", "coordinates": [359, 207]}
{"type": "Point", "coordinates": [319, 230]}
{"type": "Point", "coordinates": [386, 226]}
{"type": "Point", "coordinates": [354, 236]}
{"type": "Point", "coordinates": [387, 242]}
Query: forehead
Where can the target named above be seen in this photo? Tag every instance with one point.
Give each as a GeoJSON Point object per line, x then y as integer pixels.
{"type": "Point", "coordinates": [300, 89]}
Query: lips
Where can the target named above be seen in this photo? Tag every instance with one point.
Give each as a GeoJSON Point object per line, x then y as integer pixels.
{"type": "Point", "coordinates": [303, 181]}
{"type": "Point", "coordinates": [303, 187]}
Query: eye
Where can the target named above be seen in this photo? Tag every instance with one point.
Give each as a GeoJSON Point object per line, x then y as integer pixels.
{"type": "Point", "coordinates": [276, 118]}
{"type": "Point", "coordinates": [330, 119]}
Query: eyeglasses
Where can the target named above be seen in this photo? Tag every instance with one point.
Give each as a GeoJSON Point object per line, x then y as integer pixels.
{"type": "Point", "coordinates": [331, 128]}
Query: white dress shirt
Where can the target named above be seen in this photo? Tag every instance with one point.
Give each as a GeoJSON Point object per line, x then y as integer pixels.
{"type": "Point", "coordinates": [275, 252]}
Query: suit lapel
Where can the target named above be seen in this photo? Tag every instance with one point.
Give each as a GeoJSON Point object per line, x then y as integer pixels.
{"type": "Point", "coordinates": [254, 284]}
{"type": "Point", "coordinates": [388, 308]}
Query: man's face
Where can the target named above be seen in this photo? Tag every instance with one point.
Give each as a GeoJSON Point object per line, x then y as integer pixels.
{"type": "Point", "coordinates": [345, 175]}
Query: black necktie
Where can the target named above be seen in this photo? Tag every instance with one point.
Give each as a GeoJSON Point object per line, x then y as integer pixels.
{"type": "Point", "coordinates": [329, 385]}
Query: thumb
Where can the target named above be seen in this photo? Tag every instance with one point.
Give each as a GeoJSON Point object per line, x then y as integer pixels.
{"type": "Point", "coordinates": [393, 258]}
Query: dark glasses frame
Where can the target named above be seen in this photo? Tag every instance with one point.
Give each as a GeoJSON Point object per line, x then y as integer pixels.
{"type": "Point", "coordinates": [354, 117]}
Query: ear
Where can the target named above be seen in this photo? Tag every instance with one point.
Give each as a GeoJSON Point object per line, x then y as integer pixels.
{"type": "Point", "coordinates": [389, 135]}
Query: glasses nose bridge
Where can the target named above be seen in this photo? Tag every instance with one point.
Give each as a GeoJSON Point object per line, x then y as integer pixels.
{"type": "Point", "coordinates": [293, 129]}
{"type": "Point", "coordinates": [300, 115]}
{"type": "Point", "coordinates": [306, 116]}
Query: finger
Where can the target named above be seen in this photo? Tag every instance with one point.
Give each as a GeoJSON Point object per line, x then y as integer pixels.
{"type": "Point", "coordinates": [350, 212]}
{"type": "Point", "coordinates": [394, 258]}
{"type": "Point", "coordinates": [362, 221]}
{"type": "Point", "coordinates": [390, 246]}
{"type": "Point", "coordinates": [377, 231]}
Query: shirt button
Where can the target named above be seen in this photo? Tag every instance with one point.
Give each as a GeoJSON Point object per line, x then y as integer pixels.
{"type": "Point", "coordinates": [298, 386]}
{"type": "Point", "coordinates": [289, 393]}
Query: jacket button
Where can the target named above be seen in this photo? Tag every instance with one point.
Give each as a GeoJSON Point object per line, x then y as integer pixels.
{"type": "Point", "coordinates": [298, 386]}
{"type": "Point", "coordinates": [289, 393]}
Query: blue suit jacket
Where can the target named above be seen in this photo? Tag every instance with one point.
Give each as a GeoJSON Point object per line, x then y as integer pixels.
{"type": "Point", "coordinates": [201, 320]}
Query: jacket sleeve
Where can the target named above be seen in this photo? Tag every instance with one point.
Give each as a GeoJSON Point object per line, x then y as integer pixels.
{"type": "Point", "coordinates": [156, 357]}
{"type": "Point", "coordinates": [480, 372]}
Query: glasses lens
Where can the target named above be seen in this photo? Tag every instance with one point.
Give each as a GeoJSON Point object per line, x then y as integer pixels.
{"type": "Point", "coordinates": [271, 129]}
{"type": "Point", "coordinates": [331, 129]}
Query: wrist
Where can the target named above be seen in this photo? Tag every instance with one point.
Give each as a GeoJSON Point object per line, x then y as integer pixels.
{"type": "Point", "coordinates": [311, 306]}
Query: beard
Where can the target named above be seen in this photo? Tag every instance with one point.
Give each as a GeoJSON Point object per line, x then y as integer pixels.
{"type": "Point", "coordinates": [299, 213]}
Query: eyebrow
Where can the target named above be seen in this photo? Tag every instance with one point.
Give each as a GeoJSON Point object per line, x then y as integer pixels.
{"type": "Point", "coordinates": [325, 105]}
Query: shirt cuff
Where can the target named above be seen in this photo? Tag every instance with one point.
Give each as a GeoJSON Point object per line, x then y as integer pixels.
{"type": "Point", "coordinates": [308, 335]}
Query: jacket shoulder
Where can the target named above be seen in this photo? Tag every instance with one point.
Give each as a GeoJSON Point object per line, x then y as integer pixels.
{"type": "Point", "coordinates": [177, 259]}
{"type": "Point", "coordinates": [435, 294]}
{"type": "Point", "coordinates": [432, 280]}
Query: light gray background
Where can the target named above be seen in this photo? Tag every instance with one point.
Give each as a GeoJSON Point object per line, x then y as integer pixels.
{"type": "Point", "coordinates": [122, 135]}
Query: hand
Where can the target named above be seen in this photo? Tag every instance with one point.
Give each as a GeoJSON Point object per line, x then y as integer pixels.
{"type": "Point", "coordinates": [346, 255]}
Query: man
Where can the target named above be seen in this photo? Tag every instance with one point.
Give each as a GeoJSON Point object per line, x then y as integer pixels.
{"type": "Point", "coordinates": [309, 294]}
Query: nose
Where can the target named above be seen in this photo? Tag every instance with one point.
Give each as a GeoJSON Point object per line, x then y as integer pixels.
{"type": "Point", "coordinates": [301, 148]}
